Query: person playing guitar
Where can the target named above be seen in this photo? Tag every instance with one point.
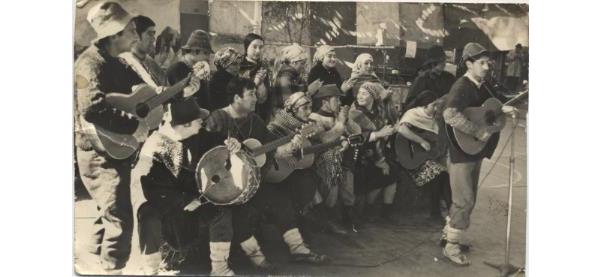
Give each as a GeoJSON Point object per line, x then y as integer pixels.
{"type": "Point", "coordinates": [99, 71]}
{"type": "Point", "coordinates": [419, 123]}
{"type": "Point", "coordinates": [239, 121]}
{"type": "Point", "coordinates": [165, 195]}
{"type": "Point", "coordinates": [469, 90]}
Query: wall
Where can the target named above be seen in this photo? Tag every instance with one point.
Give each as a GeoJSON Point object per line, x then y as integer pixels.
{"type": "Point", "coordinates": [163, 12]}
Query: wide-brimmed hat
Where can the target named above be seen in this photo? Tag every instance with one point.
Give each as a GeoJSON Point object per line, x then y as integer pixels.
{"type": "Point", "coordinates": [472, 50]}
{"type": "Point", "coordinates": [108, 18]}
{"type": "Point", "coordinates": [198, 40]}
{"type": "Point", "coordinates": [327, 91]}
{"type": "Point", "coordinates": [185, 111]}
{"type": "Point", "coordinates": [435, 54]}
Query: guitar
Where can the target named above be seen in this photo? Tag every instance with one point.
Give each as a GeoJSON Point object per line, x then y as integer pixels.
{"type": "Point", "coordinates": [304, 158]}
{"type": "Point", "coordinates": [411, 155]}
{"type": "Point", "coordinates": [219, 166]}
{"type": "Point", "coordinates": [145, 105]}
{"type": "Point", "coordinates": [489, 114]}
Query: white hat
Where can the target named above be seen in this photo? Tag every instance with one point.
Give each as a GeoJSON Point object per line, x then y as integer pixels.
{"type": "Point", "coordinates": [108, 18]}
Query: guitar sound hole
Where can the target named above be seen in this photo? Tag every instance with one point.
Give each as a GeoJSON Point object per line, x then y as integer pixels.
{"type": "Point", "coordinates": [215, 178]}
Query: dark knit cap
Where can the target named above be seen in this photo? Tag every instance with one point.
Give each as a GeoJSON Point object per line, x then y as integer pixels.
{"type": "Point", "coordinates": [185, 111]}
{"type": "Point", "coordinates": [423, 99]}
{"type": "Point", "coordinates": [249, 39]}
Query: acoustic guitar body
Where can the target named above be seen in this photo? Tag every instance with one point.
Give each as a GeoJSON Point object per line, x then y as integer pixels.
{"type": "Point", "coordinates": [282, 168]}
{"type": "Point", "coordinates": [129, 103]}
{"type": "Point", "coordinates": [486, 115]}
{"type": "Point", "coordinates": [411, 155]}
{"type": "Point", "coordinates": [259, 160]}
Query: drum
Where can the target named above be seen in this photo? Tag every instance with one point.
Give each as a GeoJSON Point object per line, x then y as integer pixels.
{"type": "Point", "coordinates": [225, 179]}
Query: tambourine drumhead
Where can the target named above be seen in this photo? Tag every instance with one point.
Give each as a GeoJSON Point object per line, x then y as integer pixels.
{"type": "Point", "coordinates": [224, 179]}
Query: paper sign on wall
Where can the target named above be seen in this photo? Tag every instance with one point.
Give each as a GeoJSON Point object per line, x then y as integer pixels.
{"type": "Point", "coordinates": [411, 49]}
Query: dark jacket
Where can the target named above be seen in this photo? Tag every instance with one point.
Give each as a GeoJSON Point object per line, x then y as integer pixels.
{"type": "Point", "coordinates": [249, 69]}
{"type": "Point", "coordinates": [465, 94]}
{"type": "Point", "coordinates": [218, 89]}
{"type": "Point", "coordinates": [177, 72]}
{"type": "Point", "coordinates": [97, 74]}
{"type": "Point", "coordinates": [327, 75]}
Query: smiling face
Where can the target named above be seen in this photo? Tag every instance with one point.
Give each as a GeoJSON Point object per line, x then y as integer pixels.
{"type": "Point", "coordinates": [246, 103]}
{"type": "Point", "coordinates": [364, 98]}
{"type": "Point", "coordinates": [366, 67]}
{"type": "Point", "coordinates": [303, 112]}
{"type": "Point", "coordinates": [330, 60]}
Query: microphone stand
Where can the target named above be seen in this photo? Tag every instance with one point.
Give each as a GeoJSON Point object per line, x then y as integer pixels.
{"type": "Point", "coordinates": [508, 269]}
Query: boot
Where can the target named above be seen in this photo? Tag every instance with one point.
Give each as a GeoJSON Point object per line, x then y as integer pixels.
{"type": "Point", "coordinates": [299, 250]}
{"type": "Point", "coordinates": [256, 256]}
{"type": "Point", "coordinates": [219, 256]}
{"type": "Point", "coordinates": [452, 249]}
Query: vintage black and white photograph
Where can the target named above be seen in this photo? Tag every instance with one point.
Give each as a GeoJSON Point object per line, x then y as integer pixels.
{"type": "Point", "coordinates": [300, 138]}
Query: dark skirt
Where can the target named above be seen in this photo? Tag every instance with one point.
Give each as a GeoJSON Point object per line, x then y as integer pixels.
{"type": "Point", "coordinates": [369, 177]}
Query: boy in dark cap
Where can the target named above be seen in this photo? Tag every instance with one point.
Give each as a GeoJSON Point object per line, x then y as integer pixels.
{"type": "Point", "coordinates": [194, 59]}
{"type": "Point", "coordinates": [164, 189]}
{"type": "Point", "coordinates": [333, 118]}
{"type": "Point", "coordinates": [469, 90]}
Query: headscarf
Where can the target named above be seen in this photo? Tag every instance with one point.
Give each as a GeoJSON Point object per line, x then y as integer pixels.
{"type": "Point", "coordinates": [296, 99]}
{"type": "Point", "coordinates": [293, 53]}
{"type": "Point", "coordinates": [377, 91]}
{"type": "Point", "coordinates": [358, 64]}
{"type": "Point", "coordinates": [225, 57]}
{"type": "Point", "coordinates": [321, 52]}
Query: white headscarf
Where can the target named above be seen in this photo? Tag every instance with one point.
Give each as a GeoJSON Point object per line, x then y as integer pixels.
{"type": "Point", "coordinates": [293, 53]}
{"type": "Point", "coordinates": [321, 52]}
{"type": "Point", "coordinates": [359, 61]}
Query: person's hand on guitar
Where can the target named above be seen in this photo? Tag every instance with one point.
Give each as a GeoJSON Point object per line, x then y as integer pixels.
{"type": "Point", "coordinates": [509, 109]}
{"type": "Point", "coordinates": [384, 132]}
{"type": "Point", "coordinates": [233, 145]}
{"type": "Point", "coordinates": [192, 206]}
{"type": "Point", "coordinates": [385, 167]}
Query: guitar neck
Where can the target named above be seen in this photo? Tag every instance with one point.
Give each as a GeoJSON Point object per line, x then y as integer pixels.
{"type": "Point", "coordinates": [320, 147]}
{"type": "Point", "coordinates": [517, 98]}
{"type": "Point", "coordinates": [169, 93]}
{"type": "Point", "coordinates": [271, 145]}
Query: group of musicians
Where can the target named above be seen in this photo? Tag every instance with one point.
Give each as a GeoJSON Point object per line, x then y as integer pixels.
{"type": "Point", "coordinates": [155, 191]}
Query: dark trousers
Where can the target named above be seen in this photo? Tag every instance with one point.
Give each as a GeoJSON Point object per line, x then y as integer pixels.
{"type": "Point", "coordinates": [301, 186]}
{"type": "Point", "coordinates": [183, 227]}
{"type": "Point", "coordinates": [107, 180]}
{"type": "Point", "coordinates": [271, 201]}
{"type": "Point", "coordinates": [440, 190]}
